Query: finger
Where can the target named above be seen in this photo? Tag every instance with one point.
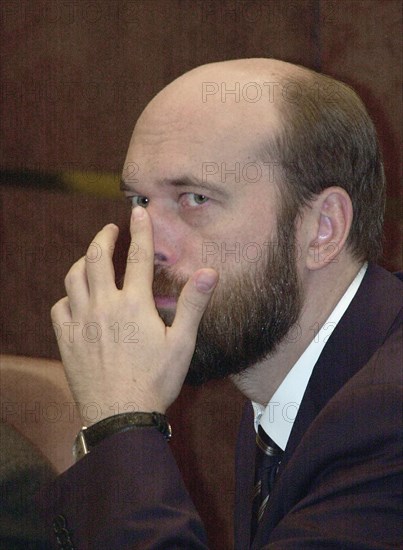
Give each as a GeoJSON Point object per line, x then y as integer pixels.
{"type": "Point", "coordinates": [76, 285]}
{"type": "Point", "coordinates": [192, 303]}
{"type": "Point", "coordinates": [140, 261]}
{"type": "Point", "coordinates": [99, 264]}
{"type": "Point", "coordinates": [61, 317]}
{"type": "Point", "coordinates": [61, 312]}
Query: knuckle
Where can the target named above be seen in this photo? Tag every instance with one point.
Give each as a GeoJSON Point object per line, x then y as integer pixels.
{"type": "Point", "coordinates": [94, 252]}
{"type": "Point", "coordinates": [56, 309]}
{"type": "Point", "coordinates": [67, 279]}
{"type": "Point", "coordinates": [98, 313]}
{"type": "Point", "coordinates": [192, 304]}
{"type": "Point", "coordinates": [53, 312]}
{"type": "Point", "coordinates": [74, 273]}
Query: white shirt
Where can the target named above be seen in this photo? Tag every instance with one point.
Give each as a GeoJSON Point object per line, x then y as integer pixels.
{"type": "Point", "coordinates": [277, 418]}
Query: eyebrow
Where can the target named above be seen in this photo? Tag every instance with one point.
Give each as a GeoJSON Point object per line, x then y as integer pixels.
{"type": "Point", "coordinates": [125, 187]}
{"type": "Point", "coordinates": [183, 181]}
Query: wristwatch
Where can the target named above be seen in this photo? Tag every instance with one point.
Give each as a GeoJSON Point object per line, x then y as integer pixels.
{"type": "Point", "coordinates": [90, 436]}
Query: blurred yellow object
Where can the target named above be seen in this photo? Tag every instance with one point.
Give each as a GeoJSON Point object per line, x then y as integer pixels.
{"type": "Point", "coordinates": [101, 184]}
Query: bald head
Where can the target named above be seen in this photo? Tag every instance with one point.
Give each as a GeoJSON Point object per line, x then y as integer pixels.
{"type": "Point", "coordinates": [230, 99]}
{"type": "Point", "coordinates": [313, 128]}
{"type": "Point", "coordinates": [196, 103]}
{"type": "Point", "coordinates": [260, 71]}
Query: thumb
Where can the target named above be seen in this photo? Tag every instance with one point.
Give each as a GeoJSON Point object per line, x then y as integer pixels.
{"type": "Point", "coordinates": [192, 303]}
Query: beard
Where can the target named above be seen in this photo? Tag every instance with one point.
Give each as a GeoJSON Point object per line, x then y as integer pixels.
{"type": "Point", "coordinates": [249, 314]}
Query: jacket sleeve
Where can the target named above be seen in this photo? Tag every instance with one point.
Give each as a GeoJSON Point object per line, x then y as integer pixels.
{"type": "Point", "coordinates": [126, 493]}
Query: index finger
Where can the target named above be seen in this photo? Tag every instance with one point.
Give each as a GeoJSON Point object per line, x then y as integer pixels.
{"type": "Point", "coordinates": [140, 260]}
{"type": "Point", "coordinates": [98, 261]}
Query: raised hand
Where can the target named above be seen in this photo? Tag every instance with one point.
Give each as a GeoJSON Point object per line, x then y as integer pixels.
{"type": "Point", "coordinates": [118, 354]}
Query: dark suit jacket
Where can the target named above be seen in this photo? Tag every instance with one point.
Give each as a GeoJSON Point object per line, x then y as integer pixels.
{"type": "Point", "coordinates": [339, 484]}
{"type": "Point", "coordinates": [22, 471]}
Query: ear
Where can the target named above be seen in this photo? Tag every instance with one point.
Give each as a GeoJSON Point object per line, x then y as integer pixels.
{"type": "Point", "coordinates": [331, 217]}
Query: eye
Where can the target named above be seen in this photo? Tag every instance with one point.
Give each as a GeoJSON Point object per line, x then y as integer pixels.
{"type": "Point", "coordinates": [139, 200]}
{"type": "Point", "coordinates": [194, 199]}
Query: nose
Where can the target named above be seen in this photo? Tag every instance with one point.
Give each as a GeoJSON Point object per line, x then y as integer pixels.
{"type": "Point", "coordinates": [167, 236]}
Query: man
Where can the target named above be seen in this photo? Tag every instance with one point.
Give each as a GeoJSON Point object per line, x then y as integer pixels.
{"type": "Point", "coordinates": [297, 315]}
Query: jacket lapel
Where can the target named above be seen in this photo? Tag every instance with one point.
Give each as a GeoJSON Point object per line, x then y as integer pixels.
{"type": "Point", "coordinates": [245, 472]}
{"type": "Point", "coordinates": [368, 321]}
{"type": "Point", "coordinates": [360, 332]}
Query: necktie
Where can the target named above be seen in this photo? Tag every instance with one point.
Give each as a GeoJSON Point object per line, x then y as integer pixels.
{"type": "Point", "coordinates": [268, 457]}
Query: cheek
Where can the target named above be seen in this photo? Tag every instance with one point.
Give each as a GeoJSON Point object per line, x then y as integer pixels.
{"type": "Point", "coordinates": [234, 256]}
{"type": "Point", "coordinates": [227, 247]}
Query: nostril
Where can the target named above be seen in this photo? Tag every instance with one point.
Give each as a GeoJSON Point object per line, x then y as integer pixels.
{"type": "Point", "coordinates": [160, 258]}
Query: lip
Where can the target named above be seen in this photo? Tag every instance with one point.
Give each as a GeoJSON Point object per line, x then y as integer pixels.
{"type": "Point", "coordinates": [165, 301]}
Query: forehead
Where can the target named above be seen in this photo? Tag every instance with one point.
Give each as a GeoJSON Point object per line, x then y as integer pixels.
{"type": "Point", "coordinates": [181, 133]}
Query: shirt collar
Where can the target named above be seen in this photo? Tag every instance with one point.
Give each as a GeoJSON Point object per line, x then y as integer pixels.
{"type": "Point", "coordinates": [277, 418]}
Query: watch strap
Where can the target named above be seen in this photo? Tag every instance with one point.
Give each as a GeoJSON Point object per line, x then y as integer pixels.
{"type": "Point", "coordinates": [87, 438]}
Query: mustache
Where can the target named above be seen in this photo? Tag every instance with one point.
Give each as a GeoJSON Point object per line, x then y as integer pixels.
{"type": "Point", "coordinates": [167, 284]}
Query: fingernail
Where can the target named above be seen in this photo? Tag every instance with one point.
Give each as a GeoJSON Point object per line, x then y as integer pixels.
{"type": "Point", "coordinates": [206, 281]}
{"type": "Point", "coordinates": [138, 212]}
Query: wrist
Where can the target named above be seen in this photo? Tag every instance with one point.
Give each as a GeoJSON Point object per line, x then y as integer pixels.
{"type": "Point", "coordinates": [89, 437]}
{"type": "Point", "coordinates": [92, 413]}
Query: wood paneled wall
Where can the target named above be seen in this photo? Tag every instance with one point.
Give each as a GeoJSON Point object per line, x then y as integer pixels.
{"type": "Point", "coordinates": [76, 74]}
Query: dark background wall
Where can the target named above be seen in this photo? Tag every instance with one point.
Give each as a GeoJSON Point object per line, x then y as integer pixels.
{"type": "Point", "coordinates": [75, 75]}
